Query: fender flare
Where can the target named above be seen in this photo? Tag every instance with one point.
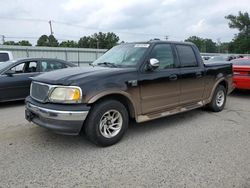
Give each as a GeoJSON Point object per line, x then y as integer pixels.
{"type": "Point", "coordinates": [214, 87]}
{"type": "Point", "coordinates": [124, 94]}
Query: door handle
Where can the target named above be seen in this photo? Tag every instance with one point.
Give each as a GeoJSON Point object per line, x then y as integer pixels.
{"type": "Point", "coordinates": [173, 77]}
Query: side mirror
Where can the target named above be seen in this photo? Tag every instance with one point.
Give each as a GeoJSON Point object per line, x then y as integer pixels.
{"type": "Point", "coordinates": [10, 72]}
{"type": "Point", "coordinates": [153, 64]}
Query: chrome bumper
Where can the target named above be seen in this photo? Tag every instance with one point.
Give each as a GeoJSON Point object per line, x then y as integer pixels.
{"type": "Point", "coordinates": [67, 122]}
{"type": "Point", "coordinates": [56, 114]}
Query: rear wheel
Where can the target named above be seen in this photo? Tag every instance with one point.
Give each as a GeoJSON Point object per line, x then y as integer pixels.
{"type": "Point", "coordinates": [106, 123]}
{"type": "Point", "coordinates": [219, 99]}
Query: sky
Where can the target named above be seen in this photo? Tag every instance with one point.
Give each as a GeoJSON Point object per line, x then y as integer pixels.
{"type": "Point", "coordinates": [131, 20]}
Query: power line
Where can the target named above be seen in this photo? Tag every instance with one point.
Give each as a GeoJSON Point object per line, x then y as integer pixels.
{"type": "Point", "coordinates": [79, 26]}
{"type": "Point", "coordinates": [18, 37]}
{"type": "Point", "coordinates": [35, 38]}
{"type": "Point", "coordinates": [119, 30]}
{"type": "Point", "coordinates": [23, 19]}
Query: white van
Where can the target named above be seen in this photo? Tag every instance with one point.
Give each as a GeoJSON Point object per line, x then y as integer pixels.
{"type": "Point", "coordinates": [5, 56]}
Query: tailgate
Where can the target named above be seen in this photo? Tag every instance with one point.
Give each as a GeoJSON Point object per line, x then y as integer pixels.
{"type": "Point", "coordinates": [241, 70]}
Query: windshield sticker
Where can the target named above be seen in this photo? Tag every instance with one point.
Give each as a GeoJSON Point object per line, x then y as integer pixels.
{"type": "Point", "coordinates": [141, 45]}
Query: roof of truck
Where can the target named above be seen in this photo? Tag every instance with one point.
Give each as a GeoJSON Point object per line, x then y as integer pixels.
{"type": "Point", "coordinates": [155, 41]}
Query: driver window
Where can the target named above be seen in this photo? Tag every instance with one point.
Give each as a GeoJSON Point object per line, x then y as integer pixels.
{"type": "Point", "coordinates": [163, 53]}
{"type": "Point", "coordinates": [18, 68]}
{"type": "Point", "coordinates": [26, 67]}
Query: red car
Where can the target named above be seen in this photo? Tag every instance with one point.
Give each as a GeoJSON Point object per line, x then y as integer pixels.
{"type": "Point", "coordinates": [241, 70]}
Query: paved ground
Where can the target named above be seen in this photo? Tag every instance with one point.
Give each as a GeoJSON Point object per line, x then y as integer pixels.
{"type": "Point", "coordinates": [194, 149]}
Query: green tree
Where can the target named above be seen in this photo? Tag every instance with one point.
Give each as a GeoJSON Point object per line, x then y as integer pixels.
{"type": "Point", "coordinates": [10, 43]}
{"type": "Point", "coordinates": [45, 40]}
{"type": "Point", "coordinates": [99, 40]}
{"type": "Point", "coordinates": [196, 40]}
{"type": "Point", "coordinates": [241, 41]}
{"type": "Point", "coordinates": [19, 43]}
{"type": "Point", "coordinates": [53, 42]}
{"type": "Point", "coordinates": [240, 22]}
{"type": "Point", "coordinates": [240, 44]}
{"type": "Point", "coordinates": [223, 47]}
{"type": "Point", "coordinates": [85, 42]}
{"type": "Point", "coordinates": [204, 45]}
{"type": "Point", "coordinates": [210, 46]}
{"type": "Point", "coordinates": [69, 44]}
{"type": "Point", "coordinates": [24, 43]}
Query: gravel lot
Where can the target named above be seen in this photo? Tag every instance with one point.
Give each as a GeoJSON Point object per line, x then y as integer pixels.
{"type": "Point", "coordinates": [194, 149]}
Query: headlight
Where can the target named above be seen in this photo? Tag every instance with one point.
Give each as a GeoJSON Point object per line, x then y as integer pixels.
{"type": "Point", "coordinates": [66, 95]}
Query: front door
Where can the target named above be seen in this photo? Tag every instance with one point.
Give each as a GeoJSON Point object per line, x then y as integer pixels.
{"type": "Point", "coordinates": [160, 88]}
{"type": "Point", "coordinates": [17, 85]}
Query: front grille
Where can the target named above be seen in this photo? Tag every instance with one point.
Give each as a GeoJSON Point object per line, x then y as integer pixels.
{"type": "Point", "coordinates": [39, 91]}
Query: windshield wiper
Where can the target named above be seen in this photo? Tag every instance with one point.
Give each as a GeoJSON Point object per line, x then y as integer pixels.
{"type": "Point", "coordinates": [107, 64]}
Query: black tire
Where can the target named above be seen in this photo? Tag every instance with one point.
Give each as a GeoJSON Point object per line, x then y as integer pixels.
{"type": "Point", "coordinates": [97, 112]}
{"type": "Point", "coordinates": [213, 105]}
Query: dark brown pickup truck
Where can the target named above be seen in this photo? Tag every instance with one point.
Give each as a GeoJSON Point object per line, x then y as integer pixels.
{"type": "Point", "coordinates": [143, 81]}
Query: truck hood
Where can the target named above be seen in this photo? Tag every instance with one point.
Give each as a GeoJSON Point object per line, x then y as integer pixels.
{"type": "Point", "coordinates": [78, 75]}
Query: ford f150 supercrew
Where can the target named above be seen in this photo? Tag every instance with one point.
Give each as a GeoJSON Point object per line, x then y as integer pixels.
{"type": "Point", "coordinates": [144, 81]}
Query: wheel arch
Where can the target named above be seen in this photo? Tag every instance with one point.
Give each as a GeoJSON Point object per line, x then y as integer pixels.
{"type": "Point", "coordinates": [122, 97]}
{"type": "Point", "coordinates": [221, 81]}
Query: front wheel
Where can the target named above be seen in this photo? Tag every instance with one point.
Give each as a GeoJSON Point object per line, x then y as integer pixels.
{"type": "Point", "coordinates": [219, 99]}
{"type": "Point", "coordinates": [106, 123]}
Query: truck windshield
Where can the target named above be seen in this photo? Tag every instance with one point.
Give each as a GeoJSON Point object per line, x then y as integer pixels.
{"type": "Point", "coordinates": [125, 55]}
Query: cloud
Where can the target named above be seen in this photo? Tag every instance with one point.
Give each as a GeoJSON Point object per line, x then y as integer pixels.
{"type": "Point", "coordinates": [199, 27]}
{"type": "Point", "coordinates": [74, 5]}
{"type": "Point", "coordinates": [132, 20]}
{"type": "Point", "coordinates": [168, 2]}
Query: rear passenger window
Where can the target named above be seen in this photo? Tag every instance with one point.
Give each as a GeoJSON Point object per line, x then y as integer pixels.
{"type": "Point", "coordinates": [31, 67]}
{"type": "Point", "coordinates": [186, 56]}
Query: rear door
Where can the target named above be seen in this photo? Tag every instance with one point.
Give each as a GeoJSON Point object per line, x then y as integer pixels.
{"type": "Point", "coordinates": [17, 85]}
{"type": "Point", "coordinates": [192, 75]}
{"type": "Point", "coordinates": [160, 88]}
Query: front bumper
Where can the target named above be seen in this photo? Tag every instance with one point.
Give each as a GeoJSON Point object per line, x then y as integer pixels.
{"type": "Point", "coordinates": [62, 119]}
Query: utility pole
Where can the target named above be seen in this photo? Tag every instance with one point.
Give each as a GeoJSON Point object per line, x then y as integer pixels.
{"type": "Point", "coordinates": [3, 38]}
{"type": "Point", "coordinates": [97, 44]}
{"type": "Point", "coordinates": [51, 30]}
{"type": "Point", "coordinates": [166, 37]}
{"type": "Point", "coordinates": [219, 44]}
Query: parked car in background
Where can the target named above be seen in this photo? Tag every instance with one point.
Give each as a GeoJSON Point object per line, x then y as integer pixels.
{"type": "Point", "coordinates": [15, 75]}
{"type": "Point", "coordinates": [143, 81]}
{"type": "Point", "coordinates": [241, 70]}
{"type": "Point", "coordinates": [218, 58]}
{"type": "Point", "coordinates": [5, 56]}
{"type": "Point", "coordinates": [206, 58]}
